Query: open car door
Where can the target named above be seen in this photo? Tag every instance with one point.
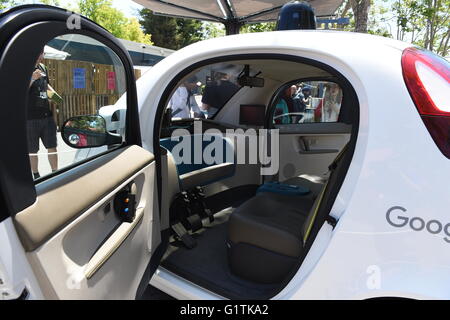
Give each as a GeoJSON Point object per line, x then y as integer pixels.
{"type": "Point", "coordinates": [87, 224]}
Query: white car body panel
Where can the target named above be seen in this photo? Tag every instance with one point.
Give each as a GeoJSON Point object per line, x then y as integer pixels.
{"type": "Point", "coordinates": [395, 163]}
{"type": "Point", "coordinates": [15, 272]}
{"type": "Point", "coordinates": [390, 167]}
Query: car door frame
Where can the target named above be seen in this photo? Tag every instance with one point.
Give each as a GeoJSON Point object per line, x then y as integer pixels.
{"type": "Point", "coordinates": [18, 181]}
{"type": "Point", "coordinates": [17, 187]}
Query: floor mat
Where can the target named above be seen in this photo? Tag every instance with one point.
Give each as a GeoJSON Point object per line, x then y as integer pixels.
{"type": "Point", "coordinates": [207, 265]}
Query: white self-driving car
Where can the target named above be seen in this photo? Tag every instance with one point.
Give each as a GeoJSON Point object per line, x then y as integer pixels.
{"type": "Point", "coordinates": [319, 170]}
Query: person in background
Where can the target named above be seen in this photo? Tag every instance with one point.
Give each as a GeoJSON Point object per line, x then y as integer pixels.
{"type": "Point", "coordinates": [306, 92]}
{"type": "Point", "coordinates": [281, 111]}
{"type": "Point", "coordinates": [298, 99]}
{"type": "Point", "coordinates": [183, 103]}
{"type": "Point", "coordinates": [40, 121]}
{"type": "Point", "coordinates": [285, 105]}
{"type": "Point", "coordinates": [332, 100]}
{"type": "Point", "coordinates": [218, 93]}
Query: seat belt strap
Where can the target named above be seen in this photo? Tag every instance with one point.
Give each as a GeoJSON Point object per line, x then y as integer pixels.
{"type": "Point", "coordinates": [174, 113]}
{"type": "Point", "coordinates": [316, 210]}
{"type": "Point", "coordinates": [334, 164]}
{"type": "Point", "coordinates": [331, 220]}
{"type": "Point", "coordinates": [184, 236]}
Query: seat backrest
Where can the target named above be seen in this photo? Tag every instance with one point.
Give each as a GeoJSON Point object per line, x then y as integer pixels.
{"type": "Point", "coordinates": [334, 167]}
{"type": "Point", "coordinates": [188, 163]}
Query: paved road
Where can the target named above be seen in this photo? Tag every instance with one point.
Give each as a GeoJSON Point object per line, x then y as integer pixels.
{"type": "Point", "coordinates": [66, 156]}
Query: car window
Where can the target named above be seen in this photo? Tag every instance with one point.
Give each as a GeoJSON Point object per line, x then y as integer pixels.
{"type": "Point", "coordinates": [205, 91]}
{"type": "Point", "coordinates": [74, 76]}
{"type": "Point", "coordinates": [308, 102]}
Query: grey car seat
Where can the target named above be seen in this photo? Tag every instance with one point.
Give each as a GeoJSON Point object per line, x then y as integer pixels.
{"type": "Point", "coordinates": [268, 233]}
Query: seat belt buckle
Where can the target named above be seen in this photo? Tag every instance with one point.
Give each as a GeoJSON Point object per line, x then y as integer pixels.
{"type": "Point", "coordinates": [184, 236]}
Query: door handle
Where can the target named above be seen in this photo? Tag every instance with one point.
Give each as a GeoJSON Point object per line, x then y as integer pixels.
{"type": "Point", "coordinates": [112, 244]}
{"type": "Point", "coordinates": [305, 148]}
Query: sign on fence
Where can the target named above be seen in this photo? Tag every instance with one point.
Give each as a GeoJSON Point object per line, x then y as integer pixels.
{"type": "Point", "coordinates": [79, 78]}
{"type": "Point", "coordinates": [85, 87]}
{"type": "Point", "coordinates": [111, 79]}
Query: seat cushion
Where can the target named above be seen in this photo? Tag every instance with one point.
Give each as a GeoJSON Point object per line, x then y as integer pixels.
{"type": "Point", "coordinates": [265, 234]}
{"type": "Point", "coordinates": [272, 222]}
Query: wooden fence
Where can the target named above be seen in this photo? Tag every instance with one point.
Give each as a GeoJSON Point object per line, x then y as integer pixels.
{"type": "Point", "coordinates": [100, 85]}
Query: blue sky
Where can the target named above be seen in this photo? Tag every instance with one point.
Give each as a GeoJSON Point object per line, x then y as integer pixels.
{"type": "Point", "coordinates": [128, 7]}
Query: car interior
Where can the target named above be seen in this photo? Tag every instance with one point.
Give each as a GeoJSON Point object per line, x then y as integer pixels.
{"type": "Point", "coordinates": [239, 221]}
{"type": "Point", "coordinates": [238, 228]}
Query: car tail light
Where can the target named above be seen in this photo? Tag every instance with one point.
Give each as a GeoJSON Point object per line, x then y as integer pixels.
{"type": "Point", "coordinates": [427, 77]}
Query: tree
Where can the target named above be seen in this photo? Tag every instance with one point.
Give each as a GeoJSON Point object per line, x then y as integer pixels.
{"type": "Point", "coordinates": [437, 25]}
{"type": "Point", "coordinates": [102, 12]}
{"type": "Point", "coordinates": [377, 24]}
{"type": "Point", "coordinates": [425, 23]}
{"type": "Point", "coordinates": [162, 29]}
{"type": "Point", "coordinates": [360, 10]}
{"type": "Point", "coordinates": [258, 27]}
{"type": "Point", "coordinates": [172, 33]}
{"type": "Point", "coordinates": [4, 4]}
{"type": "Point", "coordinates": [213, 30]}
{"type": "Point", "coordinates": [189, 31]}
{"type": "Point", "coordinates": [133, 32]}
{"type": "Point", "coordinates": [55, 3]}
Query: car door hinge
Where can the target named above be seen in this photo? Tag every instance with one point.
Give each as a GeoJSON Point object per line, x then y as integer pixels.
{"type": "Point", "coordinates": [332, 221]}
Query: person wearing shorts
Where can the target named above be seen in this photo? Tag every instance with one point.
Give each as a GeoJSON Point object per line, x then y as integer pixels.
{"type": "Point", "coordinates": [40, 122]}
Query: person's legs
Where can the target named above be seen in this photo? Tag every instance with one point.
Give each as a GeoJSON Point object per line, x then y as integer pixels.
{"type": "Point", "coordinates": [53, 158]}
{"type": "Point", "coordinates": [34, 166]}
{"type": "Point", "coordinates": [50, 142]}
{"type": "Point", "coordinates": [33, 129]}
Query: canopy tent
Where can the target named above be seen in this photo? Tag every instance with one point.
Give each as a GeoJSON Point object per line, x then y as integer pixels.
{"type": "Point", "coordinates": [52, 53]}
{"type": "Point", "coordinates": [232, 13]}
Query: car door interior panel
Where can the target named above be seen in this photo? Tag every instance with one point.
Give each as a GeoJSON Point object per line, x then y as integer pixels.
{"type": "Point", "coordinates": [309, 153]}
{"type": "Point", "coordinates": [90, 224]}
{"type": "Point", "coordinates": [62, 199]}
{"type": "Point", "coordinates": [94, 244]}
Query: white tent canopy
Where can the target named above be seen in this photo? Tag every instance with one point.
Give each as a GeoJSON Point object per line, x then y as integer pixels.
{"type": "Point", "coordinates": [52, 53]}
{"type": "Point", "coordinates": [232, 13]}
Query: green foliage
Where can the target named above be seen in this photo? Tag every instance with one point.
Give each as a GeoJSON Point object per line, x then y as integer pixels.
{"type": "Point", "coordinates": [170, 32]}
{"type": "Point", "coordinates": [55, 3]}
{"type": "Point", "coordinates": [213, 30]}
{"type": "Point", "coordinates": [87, 123]}
{"type": "Point", "coordinates": [424, 22]}
{"type": "Point", "coordinates": [134, 32]}
{"type": "Point", "coordinates": [4, 4]}
{"type": "Point", "coordinates": [376, 23]}
{"type": "Point", "coordinates": [189, 31]}
{"type": "Point", "coordinates": [162, 29]}
{"type": "Point", "coordinates": [176, 33]}
{"type": "Point", "coordinates": [258, 27]}
{"type": "Point", "coordinates": [102, 12]}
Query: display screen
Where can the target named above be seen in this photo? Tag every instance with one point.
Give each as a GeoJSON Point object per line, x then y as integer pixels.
{"type": "Point", "coordinates": [252, 115]}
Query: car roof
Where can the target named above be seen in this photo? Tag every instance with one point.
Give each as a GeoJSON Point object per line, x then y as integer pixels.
{"type": "Point", "coordinates": [321, 41]}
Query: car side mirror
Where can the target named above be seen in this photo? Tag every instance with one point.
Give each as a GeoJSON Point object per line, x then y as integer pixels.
{"type": "Point", "coordinates": [88, 132]}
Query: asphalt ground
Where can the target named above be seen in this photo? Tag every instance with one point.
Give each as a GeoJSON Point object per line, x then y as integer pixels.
{"type": "Point", "coordinates": [66, 156]}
